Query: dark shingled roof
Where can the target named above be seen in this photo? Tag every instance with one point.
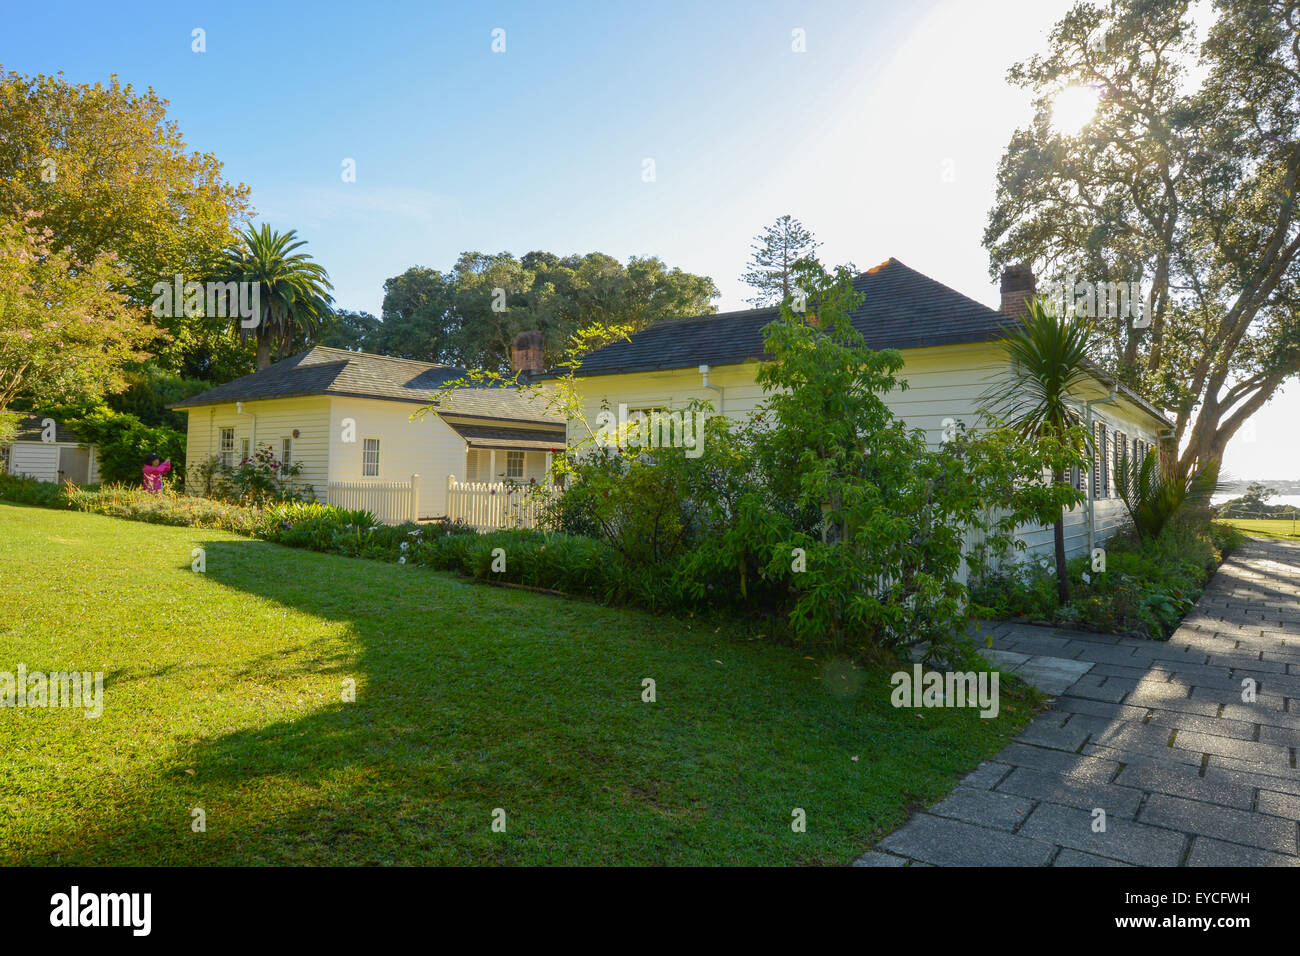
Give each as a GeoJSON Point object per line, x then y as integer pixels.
{"type": "Point", "coordinates": [535, 439]}
{"type": "Point", "coordinates": [326, 371]}
{"type": "Point", "coordinates": [29, 428]}
{"type": "Point", "coordinates": [902, 309]}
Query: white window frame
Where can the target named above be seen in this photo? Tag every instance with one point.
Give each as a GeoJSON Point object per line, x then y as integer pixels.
{"type": "Point", "coordinates": [365, 463]}
{"type": "Point", "coordinates": [522, 459]}
{"type": "Point", "coordinates": [226, 450]}
{"type": "Point", "coordinates": [286, 450]}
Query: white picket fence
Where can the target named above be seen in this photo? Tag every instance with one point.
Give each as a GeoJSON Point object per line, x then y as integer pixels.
{"type": "Point", "coordinates": [392, 502]}
{"type": "Point", "coordinates": [489, 506]}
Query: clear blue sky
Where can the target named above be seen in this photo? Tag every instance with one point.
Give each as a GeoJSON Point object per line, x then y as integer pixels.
{"type": "Point", "coordinates": [883, 137]}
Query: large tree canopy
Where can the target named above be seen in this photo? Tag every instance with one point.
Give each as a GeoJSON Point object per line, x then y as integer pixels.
{"type": "Point", "coordinates": [65, 334]}
{"type": "Point", "coordinates": [470, 315]}
{"type": "Point", "coordinates": [108, 173]}
{"type": "Point", "coordinates": [1184, 181]}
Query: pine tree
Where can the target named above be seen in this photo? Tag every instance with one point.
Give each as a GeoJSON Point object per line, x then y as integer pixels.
{"type": "Point", "coordinates": [775, 251]}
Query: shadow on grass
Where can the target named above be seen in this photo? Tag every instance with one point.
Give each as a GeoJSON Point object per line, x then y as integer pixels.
{"type": "Point", "coordinates": [472, 700]}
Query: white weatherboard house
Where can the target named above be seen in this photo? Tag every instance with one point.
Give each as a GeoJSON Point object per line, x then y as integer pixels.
{"type": "Point", "coordinates": [46, 451]}
{"type": "Point", "coordinates": [346, 418]}
{"type": "Point", "coordinates": [951, 352]}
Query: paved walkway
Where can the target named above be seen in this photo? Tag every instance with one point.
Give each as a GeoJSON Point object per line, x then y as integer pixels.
{"type": "Point", "coordinates": [1154, 734]}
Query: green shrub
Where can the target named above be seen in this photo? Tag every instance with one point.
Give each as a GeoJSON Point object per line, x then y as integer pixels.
{"type": "Point", "coordinates": [258, 480]}
{"type": "Point", "coordinates": [29, 491]}
{"type": "Point", "coordinates": [165, 507]}
{"type": "Point", "coordinates": [1148, 586]}
{"type": "Point", "coordinates": [124, 441]}
{"type": "Point", "coordinates": [1154, 494]}
{"type": "Point", "coordinates": [310, 524]}
{"type": "Point", "coordinates": [1226, 538]}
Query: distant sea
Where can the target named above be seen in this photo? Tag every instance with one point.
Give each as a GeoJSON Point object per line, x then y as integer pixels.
{"type": "Point", "coordinates": [1275, 500]}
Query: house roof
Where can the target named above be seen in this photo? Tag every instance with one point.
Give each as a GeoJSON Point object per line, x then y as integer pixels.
{"type": "Point", "coordinates": [901, 309]}
{"type": "Point", "coordinates": [527, 439]}
{"type": "Point", "coordinates": [337, 372]}
{"type": "Point", "coordinates": [29, 428]}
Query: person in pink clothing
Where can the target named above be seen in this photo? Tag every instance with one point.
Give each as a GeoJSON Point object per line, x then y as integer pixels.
{"type": "Point", "coordinates": [153, 472]}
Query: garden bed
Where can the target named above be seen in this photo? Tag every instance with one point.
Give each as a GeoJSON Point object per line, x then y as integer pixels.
{"type": "Point", "coordinates": [1146, 589]}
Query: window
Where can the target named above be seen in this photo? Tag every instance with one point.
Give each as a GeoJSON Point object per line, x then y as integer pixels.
{"type": "Point", "coordinates": [227, 447]}
{"type": "Point", "coordinates": [243, 449]}
{"type": "Point", "coordinates": [641, 424]}
{"type": "Point", "coordinates": [370, 458]}
{"type": "Point", "coordinates": [286, 451]}
{"type": "Point", "coordinates": [514, 464]}
{"type": "Point", "coordinates": [636, 414]}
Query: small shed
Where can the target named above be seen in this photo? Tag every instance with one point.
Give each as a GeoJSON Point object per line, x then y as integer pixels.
{"type": "Point", "coordinates": [48, 451]}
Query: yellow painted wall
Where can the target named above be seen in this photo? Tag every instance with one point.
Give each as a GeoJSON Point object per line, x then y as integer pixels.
{"type": "Point", "coordinates": [265, 423]}
{"type": "Point", "coordinates": [944, 382]}
{"type": "Point", "coordinates": [427, 447]}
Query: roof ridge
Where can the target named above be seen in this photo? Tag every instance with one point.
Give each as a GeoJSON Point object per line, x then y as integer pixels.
{"type": "Point", "coordinates": [376, 355]}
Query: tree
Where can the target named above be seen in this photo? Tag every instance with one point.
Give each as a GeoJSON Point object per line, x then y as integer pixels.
{"type": "Point", "coordinates": [66, 335]}
{"type": "Point", "coordinates": [775, 251]}
{"type": "Point", "coordinates": [354, 331]}
{"type": "Point", "coordinates": [417, 319]}
{"type": "Point", "coordinates": [293, 290]}
{"type": "Point", "coordinates": [1048, 359]}
{"type": "Point", "coordinates": [1188, 190]}
{"type": "Point", "coordinates": [471, 315]}
{"type": "Point", "coordinates": [108, 173]}
{"type": "Point", "coordinates": [1153, 495]}
{"type": "Point", "coordinates": [1256, 491]}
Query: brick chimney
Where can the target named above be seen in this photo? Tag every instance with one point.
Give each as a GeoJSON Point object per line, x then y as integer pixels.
{"type": "Point", "coordinates": [1018, 287]}
{"type": "Point", "coordinates": [526, 352]}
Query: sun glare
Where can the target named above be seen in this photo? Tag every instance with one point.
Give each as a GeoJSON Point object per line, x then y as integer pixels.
{"type": "Point", "coordinates": [1074, 108]}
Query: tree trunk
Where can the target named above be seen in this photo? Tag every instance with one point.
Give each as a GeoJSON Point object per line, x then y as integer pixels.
{"type": "Point", "coordinates": [1062, 577]}
{"type": "Point", "coordinates": [263, 353]}
{"type": "Point", "coordinates": [1058, 533]}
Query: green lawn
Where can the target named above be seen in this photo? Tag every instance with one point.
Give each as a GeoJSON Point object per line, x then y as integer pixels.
{"type": "Point", "coordinates": [224, 692]}
{"type": "Point", "coordinates": [1271, 527]}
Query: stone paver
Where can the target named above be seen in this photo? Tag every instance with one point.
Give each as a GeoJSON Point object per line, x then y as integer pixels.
{"type": "Point", "coordinates": [1154, 738]}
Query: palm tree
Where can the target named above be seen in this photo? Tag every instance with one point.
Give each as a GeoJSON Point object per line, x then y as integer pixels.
{"type": "Point", "coordinates": [294, 291]}
{"type": "Point", "coordinates": [1049, 360]}
{"type": "Point", "coordinates": [1153, 495]}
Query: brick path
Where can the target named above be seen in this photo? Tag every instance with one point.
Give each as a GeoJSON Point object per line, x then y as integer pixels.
{"type": "Point", "coordinates": [1155, 734]}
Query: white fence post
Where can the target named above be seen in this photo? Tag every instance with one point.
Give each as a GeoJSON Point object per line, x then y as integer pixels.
{"type": "Point", "coordinates": [489, 506]}
{"type": "Point", "coordinates": [392, 502]}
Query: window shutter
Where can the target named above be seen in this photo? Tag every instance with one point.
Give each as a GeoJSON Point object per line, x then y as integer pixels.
{"type": "Point", "coordinates": [1096, 460]}
{"type": "Point", "coordinates": [1105, 461]}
